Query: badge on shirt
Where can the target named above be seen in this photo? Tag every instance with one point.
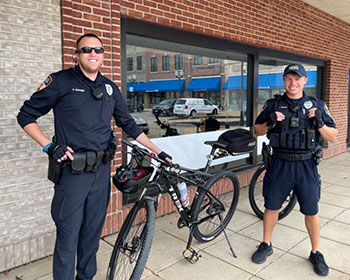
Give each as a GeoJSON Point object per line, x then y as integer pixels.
{"type": "Point", "coordinates": [308, 104]}
{"type": "Point", "coordinates": [325, 108]}
{"type": "Point", "coordinates": [44, 84]}
{"type": "Point", "coordinates": [109, 89]}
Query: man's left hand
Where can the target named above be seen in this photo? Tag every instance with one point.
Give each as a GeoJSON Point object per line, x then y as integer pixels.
{"type": "Point", "coordinates": [317, 115]}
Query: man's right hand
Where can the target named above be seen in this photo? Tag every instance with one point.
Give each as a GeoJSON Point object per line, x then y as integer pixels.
{"type": "Point", "coordinates": [60, 152]}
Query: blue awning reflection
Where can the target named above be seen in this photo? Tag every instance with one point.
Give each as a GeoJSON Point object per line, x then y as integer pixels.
{"type": "Point", "coordinates": [204, 84]}
{"type": "Point", "coordinates": [267, 81]}
{"type": "Point", "coordinates": [136, 87]}
{"type": "Point", "coordinates": [165, 85]}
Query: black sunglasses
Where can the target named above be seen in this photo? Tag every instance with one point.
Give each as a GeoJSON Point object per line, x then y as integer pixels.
{"type": "Point", "coordinates": [89, 50]}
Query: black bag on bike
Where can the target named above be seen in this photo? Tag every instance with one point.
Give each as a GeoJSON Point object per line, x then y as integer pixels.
{"type": "Point", "coordinates": [238, 140]}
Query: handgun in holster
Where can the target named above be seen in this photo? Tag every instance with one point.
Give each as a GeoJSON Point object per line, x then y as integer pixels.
{"type": "Point", "coordinates": [318, 154]}
{"type": "Point", "coordinates": [55, 168]}
{"type": "Point", "coordinates": [266, 152]}
{"type": "Point", "coordinates": [108, 153]}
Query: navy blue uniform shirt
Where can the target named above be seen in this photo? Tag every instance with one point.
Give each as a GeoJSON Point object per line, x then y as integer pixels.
{"type": "Point", "coordinates": [81, 121]}
{"type": "Point", "coordinates": [270, 106]}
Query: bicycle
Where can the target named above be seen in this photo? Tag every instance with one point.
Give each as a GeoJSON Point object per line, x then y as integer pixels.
{"type": "Point", "coordinates": [256, 199]}
{"type": "Point", "coordinates": [212, 208]}
{"type": "Point", "coordinates": [169, 131]}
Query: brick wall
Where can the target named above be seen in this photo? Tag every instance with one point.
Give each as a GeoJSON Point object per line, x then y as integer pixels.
{"type": "Point", "coordinates": [30, 49]}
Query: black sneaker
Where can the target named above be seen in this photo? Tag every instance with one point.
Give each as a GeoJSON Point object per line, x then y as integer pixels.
{"type": "Point", "coordinates": [320, 266]}
{"type": "Point", "coordinates": [262, 253]}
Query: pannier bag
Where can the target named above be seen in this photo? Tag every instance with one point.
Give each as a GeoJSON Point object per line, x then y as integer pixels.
{"type": "Point", "coordinates": [238, 140]}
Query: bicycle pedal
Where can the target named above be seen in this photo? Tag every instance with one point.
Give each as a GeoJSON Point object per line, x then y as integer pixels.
{"type": "Point", "coordinates": [191, 255]}
{"type": "Point", "coordinates": [181, 223]}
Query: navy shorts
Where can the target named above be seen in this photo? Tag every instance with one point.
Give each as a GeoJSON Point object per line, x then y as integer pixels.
{"type": "Point", "coordinates": [283, 176]}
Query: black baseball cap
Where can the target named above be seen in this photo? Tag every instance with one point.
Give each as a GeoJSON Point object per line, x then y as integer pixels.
{"type": "Point", "coordinates": [295, 68]}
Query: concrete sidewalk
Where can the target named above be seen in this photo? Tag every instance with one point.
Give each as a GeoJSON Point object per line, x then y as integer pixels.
{"type": "Point", "coordinates": [290, 241]}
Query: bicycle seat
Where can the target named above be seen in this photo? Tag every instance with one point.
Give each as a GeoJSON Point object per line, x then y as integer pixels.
{"type": "Point", "coordinates": [215, 144]}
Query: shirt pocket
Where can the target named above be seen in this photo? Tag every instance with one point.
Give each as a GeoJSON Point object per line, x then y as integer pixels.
{"type": "Point", "coordinates": [75, 100]}
{"type": "Point", "coordinates": [108, 106]}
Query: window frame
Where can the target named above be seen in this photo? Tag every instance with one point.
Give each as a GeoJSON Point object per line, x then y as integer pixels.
{"type": "Point", "coordinates": [139, 63]}
{"type": "Point", "coordinates": [167, 63]}
{"type": "Point", "coordinates": [153, 66]}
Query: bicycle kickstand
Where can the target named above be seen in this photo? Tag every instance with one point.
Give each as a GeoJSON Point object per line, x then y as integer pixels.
{"type": "Point", "coordinates": [190, 254]}
{"type": "Point", "coordinates": [228, 241]}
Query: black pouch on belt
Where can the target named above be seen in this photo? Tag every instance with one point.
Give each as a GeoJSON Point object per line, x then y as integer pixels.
{"type": "Point", "coordinates": [79, 162]}
{"type": "Point", "coordinates": [302, 144]}
{"type": "Point", "coordinates": [90, 161]}
{"type": "Point", "coordinates": [55, 171]}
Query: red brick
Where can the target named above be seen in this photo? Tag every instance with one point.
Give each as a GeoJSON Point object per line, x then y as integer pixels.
{"type": "Point", "coordinates": [95, 3]}
{"type": "Point", "coordinates": [92, 18]}
{"type": "Point", "coordinates": [101, 12]}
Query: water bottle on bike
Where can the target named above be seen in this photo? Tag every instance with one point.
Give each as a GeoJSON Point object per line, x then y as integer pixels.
{"type": "Point", "coordinates": [184, 194]}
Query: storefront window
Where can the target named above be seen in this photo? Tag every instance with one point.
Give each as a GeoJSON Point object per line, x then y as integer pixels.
{"type": "Point", "coordinates": [271, 79]}
{"type": "Point", "coordinates": [220, 95]}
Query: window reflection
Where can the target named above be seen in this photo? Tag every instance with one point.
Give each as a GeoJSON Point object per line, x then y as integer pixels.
{"type": "Point", "coordinates": [187, 91]}
{"type": "Point", "coordinates": [271, 79]}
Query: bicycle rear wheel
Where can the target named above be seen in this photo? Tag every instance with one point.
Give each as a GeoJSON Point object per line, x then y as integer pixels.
{"type": "Point", "coordinates": [225, 188]}
{"type": "Point", "coordinates": [133, 243]}
{"type": "Point", "coordinates": [256, 198]}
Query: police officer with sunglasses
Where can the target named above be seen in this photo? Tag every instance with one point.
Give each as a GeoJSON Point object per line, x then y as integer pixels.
{"type": "Point", "coordinates": [83, 103]}
{"type": "Point", "coordinates": [294, 123]}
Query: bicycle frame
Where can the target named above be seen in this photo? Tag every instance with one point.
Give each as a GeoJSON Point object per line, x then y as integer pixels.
{"type": "Point", "coordinates": [171, 178]}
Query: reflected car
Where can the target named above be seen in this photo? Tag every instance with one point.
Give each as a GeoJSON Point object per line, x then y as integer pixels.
{"type": "Point", "coordinates": [142, 123]}
{"type": "Point", "coordinates": [193, 106]}
{"type": "Point", "coordinates": [164, 108]}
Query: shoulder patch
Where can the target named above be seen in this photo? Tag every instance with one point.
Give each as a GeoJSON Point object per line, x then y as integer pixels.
{"type": "Point", "coordinates": [45, 83]}
{"type": "Point", "coordinates": [325, 108]}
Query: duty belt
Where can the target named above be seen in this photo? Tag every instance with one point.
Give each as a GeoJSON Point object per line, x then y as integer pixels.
{"type": "Point", "coordinates": [293, 157]}
{"type": "Point", "coordinates": [86, 162]}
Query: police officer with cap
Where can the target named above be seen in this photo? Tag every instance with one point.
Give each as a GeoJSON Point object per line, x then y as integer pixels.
{"type": "Point", "coordinates": [294, 122]}
{"type": "Point", "coordinates": [83, 103]}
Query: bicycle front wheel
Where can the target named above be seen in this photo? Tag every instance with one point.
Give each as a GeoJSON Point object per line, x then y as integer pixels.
{"type": "Point", "coordinates": [225, 188]}
{"type": "Point", "coordinates": [256, 198]}
{"type": "Point", "coordinates": [133, 243]}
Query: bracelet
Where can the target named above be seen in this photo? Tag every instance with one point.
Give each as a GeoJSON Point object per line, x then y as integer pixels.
{"type": "Point", "coordinates": [46, 147]}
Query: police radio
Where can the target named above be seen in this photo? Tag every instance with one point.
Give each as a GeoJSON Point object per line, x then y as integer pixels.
{"type": "Point", "coordinates": [96, 93]}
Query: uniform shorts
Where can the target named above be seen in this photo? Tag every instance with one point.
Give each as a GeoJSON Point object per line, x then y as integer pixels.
{"type": "Point", "coordinates": [283, 176]}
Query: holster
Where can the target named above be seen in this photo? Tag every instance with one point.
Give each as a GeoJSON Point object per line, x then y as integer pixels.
{"type": "Point", "coordinates": [55, 171]}
{"type": "Point", "coordinates": [318, 154]}
{"type": "Point", "coordinates": [266, 155]}
{"type": "Point", "coordinates": [108, 153]}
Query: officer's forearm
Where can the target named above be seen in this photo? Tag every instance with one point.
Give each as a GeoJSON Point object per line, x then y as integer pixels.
{"type": "Point", "coordinates": [33, 130]}
{"type": "Point", "coordinates": [145, 141]}
{"type": "Point", "coordinates": [328, 133]}
{"type": "Point", "coordinates": [260, 129]}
